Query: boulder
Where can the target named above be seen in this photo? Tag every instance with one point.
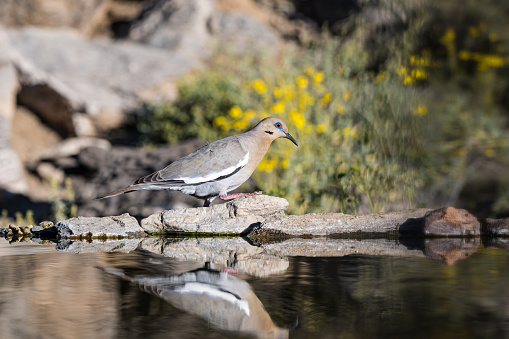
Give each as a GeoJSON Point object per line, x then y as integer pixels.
{"type": "Point", "coordinates": [450, 221]}
{"type": "Point", "coordinates": [64, 76]}
{"type": "Point", "coordinates": [11, 168]}
{"type": "Point", "coordinates": [116, 226]}
{"type": "Point", "coordinates": [238, 216]}
{"type": "Point", "coordinates": [175, 25]}
{"type": "Point", "coordinates": [496, 227]}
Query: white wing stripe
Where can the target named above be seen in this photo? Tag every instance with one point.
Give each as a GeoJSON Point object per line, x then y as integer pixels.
{"type": "Point", "coordinates": [215, 175]}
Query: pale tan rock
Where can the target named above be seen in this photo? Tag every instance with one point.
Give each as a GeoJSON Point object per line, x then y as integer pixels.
{"type": "Point", "coordinates": [234, 217]}
{"type": "Point", "coordinates": [123, 225]}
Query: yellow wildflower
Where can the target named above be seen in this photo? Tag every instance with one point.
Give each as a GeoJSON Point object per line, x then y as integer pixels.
{"type": "Point", "coordinates": [285, 163]}
{"type": "Point", "coordinates": [408, 80]}
{"type": "Point", "coordinates": [235, 112]}
{"type": "Point", "coordinates": [249, 114]}
{"type": "Point", "coordinates": [297, 119]}
{"type": "Point", "coordinates": [222, 122]}
{"type": "Point", "coordinates": [326, 99]}
{"type": "Point", "coordinates": [318, 77]}
{"type": "Point", "coordinates": [421, 110]}
{"type": "Point", "coordinates": [379, 77]}
{"type": "Point", "coordinates": [219, 121]}
{"type": "Point", "coordinates": [310, 70]}
{"type": "Point", "coordinates": [419, 73]}
{"type": "Point", "coordinates": [346, 131]}
{"type": "Point", "coordinates": [340, 109]}
{"type": "Point", "coordinates": [448, 37]}
{"type": "Point", "coordinates": [240, 125]}
{"type": "Point", "coordinates": [278, 92]}
{"type": "Point", "coordinates": [402, 71]}
{"type": "Point", "coordinates": [259, 86]}
{"type": "Point", "coordinates": [493, 37]}
{"type": "Point", "coordinates": [278, 107]}
{"type": "Point", "coordinates": [492, 60]}
{"type": "Point", "coordinates": [321, 128]}
{"type": "Point", "coordinates": [353, 132]}
{"type": "Point", "coordinates": [267, 165]}
{"type": "Point", "coordinates": [302, 82]}
{"type": "Point", "coordinates": [464, 55]}
{"type": "Point", "coordinates": [346, 95]}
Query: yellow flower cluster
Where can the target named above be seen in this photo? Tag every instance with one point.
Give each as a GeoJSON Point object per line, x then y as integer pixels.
{"type": "Point", "coordinates": [421, 110]}
{"type": "Point", "coordinates": [484, 61]}
{"type": "Point", "coordinates": [410, 76]}
{"type": "Point", "coordinates": [295, 99]}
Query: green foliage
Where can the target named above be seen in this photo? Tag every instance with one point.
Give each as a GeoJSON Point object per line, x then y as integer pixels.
{"type": "Point", "coordinates": [201, 98]}
{"type": "Point", "coordinates": [376, 120]}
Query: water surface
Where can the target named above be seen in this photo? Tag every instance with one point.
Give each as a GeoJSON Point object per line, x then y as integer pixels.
{"type": "Point", "coordinates": [136, 293]}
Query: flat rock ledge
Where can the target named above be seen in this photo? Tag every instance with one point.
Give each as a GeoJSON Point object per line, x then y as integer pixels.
{"type": "Point", "coordinates": [262, 217]}
{"type": "Point", "coordinates": [94, 227]}
{"type": "Point", "coordinates": [238, 216]}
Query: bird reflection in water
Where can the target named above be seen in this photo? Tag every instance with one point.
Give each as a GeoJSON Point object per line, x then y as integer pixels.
{"type": "Point", "coordinates": [218, 297]}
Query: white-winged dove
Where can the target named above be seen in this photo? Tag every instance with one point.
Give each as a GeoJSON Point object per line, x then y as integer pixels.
{"type": "Point", "coordinates": [217, 168]}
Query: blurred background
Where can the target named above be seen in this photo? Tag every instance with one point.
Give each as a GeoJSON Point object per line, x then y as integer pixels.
{"type": "Point", "coordinates": [396, 104]}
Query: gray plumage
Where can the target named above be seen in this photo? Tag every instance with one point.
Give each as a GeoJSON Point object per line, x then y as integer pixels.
{"type": "Point", "coordinates": [216, 168]}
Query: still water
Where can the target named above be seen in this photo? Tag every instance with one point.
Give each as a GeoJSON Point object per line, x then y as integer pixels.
{"type": "Point", "coordinates": [145, 290]}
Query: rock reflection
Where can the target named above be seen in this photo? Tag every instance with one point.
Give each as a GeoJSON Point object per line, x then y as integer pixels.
{"type": "Point", "coordinates": [450, 250]}
{"type": "Point", "coordinates": [218, 297]}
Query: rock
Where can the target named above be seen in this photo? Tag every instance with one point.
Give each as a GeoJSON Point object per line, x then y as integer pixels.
{"type": "Point", "coordinates": [100, 171]}
{"type": "Point", "coordinates": [55, 13]}
{"type": "Point", "coordinates": [175, 25]}
{"type": "Point", "coordinates": [62, 74]}
{"type": "Point", "coordinates": [11, 169]}
{"type": "Point", "coordinates": [496, 227]}
{"type": "Point", "coordinates": [234, 217]}
{"type": "Point", "coordinates": [241, 33]}
{"type": "Point", "coordinates": [450, 221]}
{"type": "Point", "coordinates": [323, 224]}
{"type": "Point", "coordinates": [37, 228]}
{"type": "Point", "coordinates": [73, 147]}
{"type": "Point", "coordinates": [46, 224]}
{"type": "Point", "coordinates": [123, 225]}
{"type": "Point", "coordinates": [450, 250]}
